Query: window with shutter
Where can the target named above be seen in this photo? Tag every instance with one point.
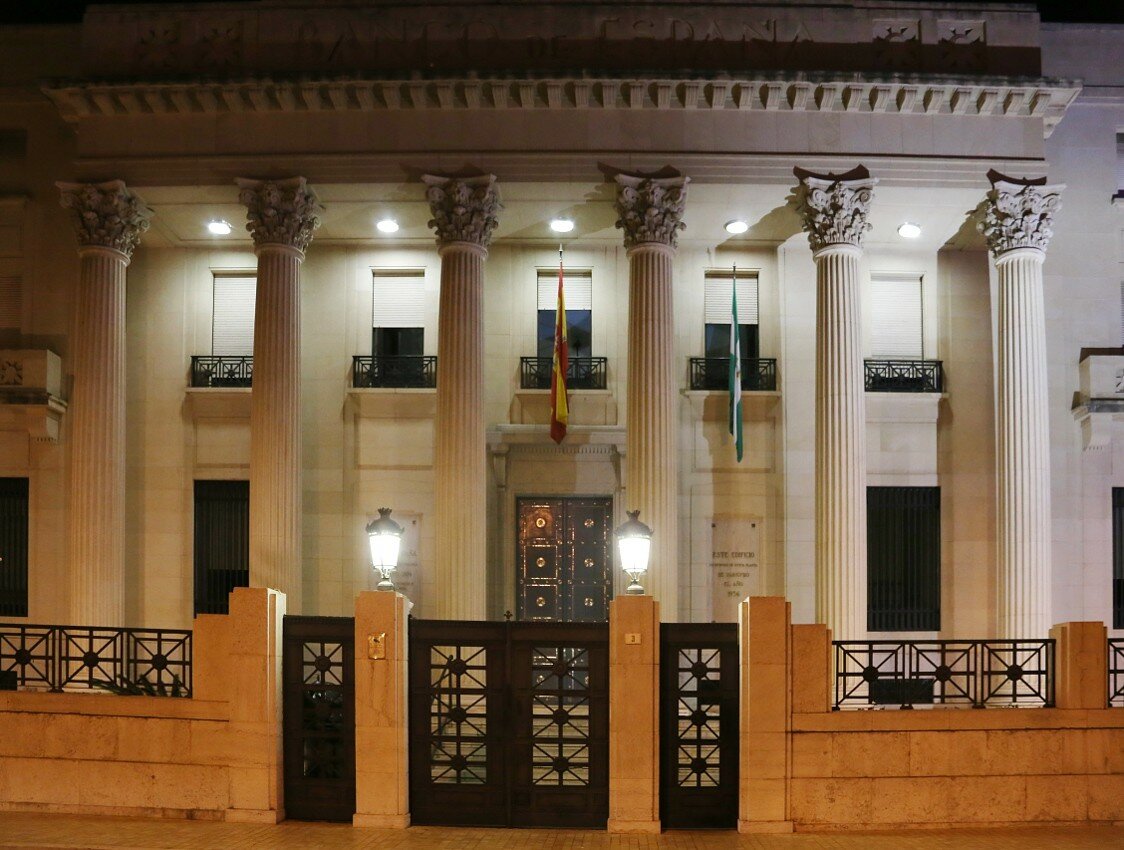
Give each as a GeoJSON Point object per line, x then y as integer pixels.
{"type": "Point", "coordinates": [11, 303]}
{"type": "Point", "coordinates": [718, 311]}
{"type": "Point", "coordinates": [232, 325]}
{"type": "Point", "coordinates": [577, 289]}
{"type": "Point", "coordinates": [895, 316]}
{"type": "Point", "coordinates": [398, 312]}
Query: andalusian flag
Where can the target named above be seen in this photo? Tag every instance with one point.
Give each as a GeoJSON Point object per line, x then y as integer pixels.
{"type": "Point", "coordinates": [735, 371]}
{"type": "Point", "coordinates": [559, 409]}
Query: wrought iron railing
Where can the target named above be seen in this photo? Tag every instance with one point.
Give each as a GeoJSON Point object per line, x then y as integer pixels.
{"type": "Point", "coordinates": [713, 373]}
{"type": "Point", "coordinates": [156, 662]}
{"type": "Point", "coordinates": [977, 673]}
{"type": "Point", "coordinates": [403, 371]}
{"type": "Point", "coordinates": [1116, 671]}
{"type": "Point", "coordinates": [904, 376]}
{"type": "Point", "coordinates": [1118, 603]}
{"type": "Point", "coordinates": [584, 373]}
{"type": "Point", "coordinates": [221, 371]}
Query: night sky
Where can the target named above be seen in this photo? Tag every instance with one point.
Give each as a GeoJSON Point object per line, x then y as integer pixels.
{"type": "Point", "coordinates": [64, 11]}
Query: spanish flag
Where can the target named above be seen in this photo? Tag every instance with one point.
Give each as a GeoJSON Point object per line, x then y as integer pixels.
{"type": "Point", "coordinates": [559, 408]}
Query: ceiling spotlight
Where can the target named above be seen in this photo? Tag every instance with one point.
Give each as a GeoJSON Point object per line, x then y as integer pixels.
{"type": "Point", "coordinates": [561, 225]}
{"type": "Point", "coordinates": [909, 230]}
{"type": "Point", "coordinates": [736, 227]}
{"type": "Point", "coordinates": [387, 225]}
{"type": "Point", "coordinates": [219, 227]}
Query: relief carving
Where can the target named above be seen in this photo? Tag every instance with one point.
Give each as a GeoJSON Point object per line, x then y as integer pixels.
{"type": "Point", "coordinates": [106, 215]}
{"type": "Point", "coordinates": [281, 212]}
{"type": "Point", "coordinates": [650, 209]}
{"type": "Point", "coordinates": [835, 208]}
{"type": "Point", "coordinates": [11, 373]}
{"type": "Point", "coordinates": [463, 210]}
{"type": "Point", "coordinates": [1019, 213]}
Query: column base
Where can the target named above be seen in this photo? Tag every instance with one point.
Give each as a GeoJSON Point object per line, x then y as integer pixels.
{"type": "Point", "coordinates": [254, 815]}
{"type": "Point", "coordinates": [764, 826]}
{"type": "Point", "coordinates": [647, 827]}
{"type": "Point", "coordinates": [380, 821]}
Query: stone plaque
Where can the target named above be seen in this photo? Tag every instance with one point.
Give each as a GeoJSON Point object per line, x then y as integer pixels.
{"type": "Point", "coordinates": [735, 565]}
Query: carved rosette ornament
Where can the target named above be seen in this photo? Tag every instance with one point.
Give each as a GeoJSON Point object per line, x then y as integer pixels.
{"type": "Point", "coordinates": [105, 215]}
{"type": "Point", "coordinates": [463, 209]}
{"type": "Point", "coordinates": [1019, 213]}
{"type": "Point", "coordinates": [280, 212]}
{"type": "Point", "coordinates": [650, 209]}
{"type": "Point", "coordinates": [834, 208]}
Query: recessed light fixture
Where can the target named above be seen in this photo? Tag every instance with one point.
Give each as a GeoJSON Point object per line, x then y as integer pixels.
{"type": "Point", "coordinates": [909, 230]}
{"type": "Point", "coordinates": [219, 227]}
{"type": "Point", "coordinates": [736, 227]}
{"type": "Point", "coordinates": [561, 225]}
{"type": "Point", "coordinates": [387, 225]}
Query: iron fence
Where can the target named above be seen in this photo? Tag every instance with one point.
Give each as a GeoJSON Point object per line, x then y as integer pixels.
{"type": "Point", "coordinates": [976, 673]}
{"type": "Point", "coordinates": [402, 371]}
{"type": "Point", "coordinates": [155, 662]}
{"type": "Point", "coordinates": [1116, 671]}
{"type": "Point", "coordinates": [583, 373]}
{"type": "Point", "coordinates": [222, 371]}
{"type": "Point", "coordinates": [713, 373]}
{"type": "Point", "coordinates": [904, 376]}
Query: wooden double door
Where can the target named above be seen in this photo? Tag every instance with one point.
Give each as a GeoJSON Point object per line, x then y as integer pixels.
{"type": "Point", "coordinates": [564, 559]}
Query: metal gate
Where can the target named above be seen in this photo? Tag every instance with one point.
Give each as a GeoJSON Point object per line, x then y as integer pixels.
{"type": "Point", "coordinates": [318, 670]}
{"type": "Point", "coordinates": [509, 723]}
{"type": "Point", "coordinates": [699, 725]}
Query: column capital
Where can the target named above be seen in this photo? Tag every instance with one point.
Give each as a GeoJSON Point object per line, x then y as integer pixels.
{"type": "Point", "coordinates": [1019, 213]}
{"type": "Point", "coordinates": [650, 209]}
{"type": "Point", "coordinates": [463, 209]}
{"type": "Point", "coordinates": [105, 215]}
{"type": "Point", "coordinates": [280, 212]}
{"type": "Point", "coordinates": [834, 207]}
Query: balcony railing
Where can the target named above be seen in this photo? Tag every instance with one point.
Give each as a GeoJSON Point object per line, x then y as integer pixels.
{"type": "Point", "coordinates": [713, 373]}
{"type": "Point", "coordinates": [976, 673]}
{"type": "Point", "coordinates": [156, 662]}
{"type": "Point", "coordinates": [222, 371]}
{"type": "Point", "coordinates": [1116, 671]}
{"type": "Point", "coordinates": [904, 376]}
{"type": "Point", "coordinates": [584, 373]}
{"type": "Point", "coordinates": [403, 371]}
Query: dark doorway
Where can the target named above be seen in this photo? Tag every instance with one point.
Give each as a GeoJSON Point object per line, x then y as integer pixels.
{"type": "Point", "coordinates": [13, 547]}
{"type": "Point", "coordinates": [318, 682]}
{"type": "Point", "coordinates": [222, 543]}
{"type": "Point", "coordinates": [564, 559]}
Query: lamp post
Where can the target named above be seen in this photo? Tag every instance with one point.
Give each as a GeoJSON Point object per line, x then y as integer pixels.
{"type": "Point", "coordinates": [634, 540]}
{"type": "Point", "coordinates": [385, 537]}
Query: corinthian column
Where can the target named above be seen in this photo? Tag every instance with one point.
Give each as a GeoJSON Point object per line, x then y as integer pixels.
{"type": "Point", "coordinates": [281, 217]}
{"type": "Point", "coordinates": [108, 220]}
{"type": "Point", "coordinates": [834, 209]}
{"type": "Point", "coordinates": [650, 211]}
{"type": "Point", "coordinates": [464, 216]}
{"type": "Point", "coordinates": [1017, 222]}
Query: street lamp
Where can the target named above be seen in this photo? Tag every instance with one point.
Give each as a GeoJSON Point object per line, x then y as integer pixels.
{"type": "Point", "coordinates": [634, 539]}
{"type": "Point", "coordinates": [385, 537]}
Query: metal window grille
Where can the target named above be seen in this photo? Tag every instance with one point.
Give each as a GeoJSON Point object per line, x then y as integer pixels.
{"type": "Point", "coordinates": [903, 559]}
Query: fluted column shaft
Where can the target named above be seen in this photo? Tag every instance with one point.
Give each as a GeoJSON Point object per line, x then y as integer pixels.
{"type": "Point", "coordinates": [460, 448]}
{"type": "Point", "coordinates": [841, 584]}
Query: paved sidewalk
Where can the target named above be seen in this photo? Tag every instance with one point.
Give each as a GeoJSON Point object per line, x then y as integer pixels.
{"type": "Point", "coordinates": [18, 831]}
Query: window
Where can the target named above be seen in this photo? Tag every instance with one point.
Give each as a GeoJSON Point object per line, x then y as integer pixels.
{"type": "Point", "coordinates": [397, 313]}
{"type": "Point", "coordinates": [232, 324]}
{"type": "Point", "coordinates": [1119, 196]}
{"type": "Point", "coordinates": [903, 559]}
{"type": "Point", "coordinates": [1118, 557]}
{"type": "Point", "coordinates": [577, 289]}
{"type": "Point", "coordinates": [895, 316]}
{"type": "Point", "coordinates": [717, 306]}
{"type": "Point", "coordinates": [13, 547]}
{"type": "Point", "coordinates": [222, 542]}
{"type": "Point", "coordinates": [11, 303]}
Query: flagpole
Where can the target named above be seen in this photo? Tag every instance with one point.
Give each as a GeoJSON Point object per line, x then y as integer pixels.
{"type": "Point", "coordinates": [735, 368]}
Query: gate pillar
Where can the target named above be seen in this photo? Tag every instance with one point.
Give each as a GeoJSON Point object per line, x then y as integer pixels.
{"type": "Point", "coordinates": [634, 714]}
{"type": "Point", "coordinates": [382, 781]}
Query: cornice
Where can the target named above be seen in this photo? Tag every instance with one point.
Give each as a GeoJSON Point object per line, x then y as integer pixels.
{"type": "Point", "coordinates": [1045, 99]}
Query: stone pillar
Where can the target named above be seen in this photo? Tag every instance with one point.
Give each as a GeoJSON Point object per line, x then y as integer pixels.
{"type": "Point", "coordinates": [650, 212]}
{"type": "Point", "coordinates": [281, 217]}
{"type": "Point", "coordinates": [1017, 224]}
{"type": "Point", "coordinates": [108, 220]}
{"type": "Point", "coordinates": [634, 715]}
{"type": "Point", "coordinates": [834, 209]}
{"type": "Point", "coordinates": [1081, 674]}
{"type": "Point", "coordinates": [464, 216]}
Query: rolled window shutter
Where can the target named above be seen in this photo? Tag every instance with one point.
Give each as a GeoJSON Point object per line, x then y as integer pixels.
{"type": "Point", "coordinates": [717, 301]}
{"type": "Point", "coordinates": [895, 316]}
{"type": "Point", "coordinates": [398, 298]}
{"type": "Point", "coordinates": [11, 302]}
{"type": "Point", "coordinates": [577, 287]}
{"type": "Point", "coordinates": [232, 328]}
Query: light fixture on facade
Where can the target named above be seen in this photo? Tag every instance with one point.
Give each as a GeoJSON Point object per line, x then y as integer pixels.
{"type": "Point", "coordinates": [634, 540]}
{"type": "Point", "coordinates": [385, 538]}
{"type": "Point", "coordinates": [561, 225]}
{"type": "Point", "coordinates": [909, 230]}
{"type": "Point", "coordinates": [387, 225]}
{"type": "Point", "coordinates": [219, 227]}
{"type": "Point", "coordinates": [736, 227]}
